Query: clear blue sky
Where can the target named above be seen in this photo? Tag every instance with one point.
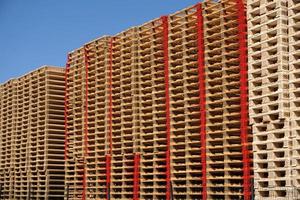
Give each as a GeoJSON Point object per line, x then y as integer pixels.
{"type": "Point", "coordinates": [41, 32]}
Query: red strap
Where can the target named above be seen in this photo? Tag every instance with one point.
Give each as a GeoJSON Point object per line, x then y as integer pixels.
{"type": "Point", "coordinates": [166, 70]}
{"type": "Point", "coordinates": [110, 113]}
{"type": "Point", "coordinates": [242, 33]}
{"type": "Point", "coordinates": [202, 96]}
{"type": "Point", "coordinates": [110, 93]}
{"type": "Point", "coordinates": [86, 102]}
{"type": "Point", "coordinates": [84, 184]}
{"type": "Point", "coordinates": [66, 103]}
{"type": "Point", "coordinates": [108, 173]}
{"type": "Point", "coordinates": [136, 176]}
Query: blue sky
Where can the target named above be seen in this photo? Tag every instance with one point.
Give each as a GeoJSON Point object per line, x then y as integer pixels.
{"type": "Point", "coordinates": [41, 32]}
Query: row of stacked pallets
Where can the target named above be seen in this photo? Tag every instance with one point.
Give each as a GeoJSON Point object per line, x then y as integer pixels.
{"type": "Point", "coordinates": [160, 110]}
{"type": "Point", "coordinates": [200, 104]}
{"type": "Point", "coordinates": [31, 137]}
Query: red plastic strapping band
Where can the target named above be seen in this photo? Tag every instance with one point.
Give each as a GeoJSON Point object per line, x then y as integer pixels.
{"type": "Point", "coordinates": [136, 176]}
{"type": "Point", "coordinates": [242, 33]}
{"type": "Point", "coordinates": [164, 20]}
{"type": "Point", "coordinates": [110, 111]}
{"type": "Point", "coordinates": [66, 106]}
{"type": "Point", "coordinates": [86, 101]}
{"type": "Point", "coordinates": [108, 172]}
{"type": "Point", "coordinates": [110, 93]}
{"type": "Point", "coordinates": [202, 96]}
{"type": "Point", "coordinates": [84, 182]}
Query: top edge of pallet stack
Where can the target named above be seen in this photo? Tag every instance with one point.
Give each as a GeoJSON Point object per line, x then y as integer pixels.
{"type": "Point", "coordinates": [146, 24]}
{"type": "Point", "coordinates": [104, 37]}
{"type": "Point", "coordinates": [183, 10]}
{"type": "Point", "coordinates": [34, 71]}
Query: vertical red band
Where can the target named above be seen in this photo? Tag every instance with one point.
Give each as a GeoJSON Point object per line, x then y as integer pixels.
{"type": "Point", "coordinates": [86, 101]}
{"type": "Point", "coordinates": [108, 172]}
{"type": "Point", "coordinates": [66, 106]}
{"type": "Point", "coordinates": [110, 93]}
{"type": "Point", "coordinates": [86, 63]}
{"type": "Point", "coordinates": [108, 156]}
{"type": "Point", "coordinates": [136, 176]}
{"type": "Point", "coordinates": [168, 131]}
{"type": "Point", "coordinates": [242, 33]}
{"type": "Point", "coordinates": [202, 96]}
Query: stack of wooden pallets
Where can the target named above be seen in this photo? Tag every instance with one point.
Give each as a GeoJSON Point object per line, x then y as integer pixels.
{"type": "Point", "coordinates": [32, 138]}
{"type": "Point", "coordinates": [273, 63]}
{"type": "Point", "coordinates": [86, 114]}
{"type": "Point", "coordinates": [294, 76]}
{"type": "Point", "coordinates": [7, 123]}
{"type": "Point", "coordinates": [159, 111]}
